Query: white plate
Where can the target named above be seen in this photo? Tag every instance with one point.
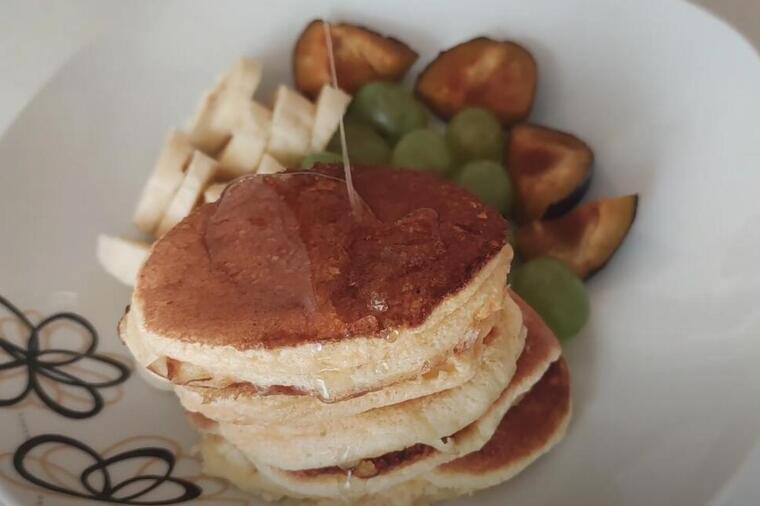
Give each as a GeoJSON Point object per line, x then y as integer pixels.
{"type": "Point", "coordinates": [665, 382]}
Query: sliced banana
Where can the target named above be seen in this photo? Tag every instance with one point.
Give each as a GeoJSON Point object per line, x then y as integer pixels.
{"type": "Point", "coordinates": [242, 154]}
{"type": "Point", "coordinates": [258, 120]}
{"type": "Point", "coordinates": [163, 182]}
{"type": "Point", "coordinates": [200, 171]}
{"type": "Point", "coordinates": [122, 258]}
{"type": "Point", "coordinates": [225, 107]}
{"type": "Point", "coordinates": [219, 113]}
{"type": "Point", "coordinates": [292, 124]}
{"type": "Point", "coordinates": [213, 192]}
{"type": "Point", "coordinates": [243, 78]}
{"type": "Point", "coordinates": [269, 165]}
{"type": "Point", "coordinates": [331, 105]}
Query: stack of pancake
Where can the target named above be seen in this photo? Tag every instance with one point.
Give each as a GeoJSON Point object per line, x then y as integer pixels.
{"type": "Point", "coordinates": [328, 355]}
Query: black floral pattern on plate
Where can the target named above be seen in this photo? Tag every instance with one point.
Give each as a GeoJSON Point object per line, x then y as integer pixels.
{"type": "Point", "coordinates": [54, 365]}
{"type": "Point", "coordinates": [97, 482]}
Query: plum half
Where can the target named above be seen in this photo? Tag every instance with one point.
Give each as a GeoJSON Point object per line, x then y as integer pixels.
{"type": "Point", "coordinates": [361, 56]}
{"type": "Point", "coordinates": [585, 239]}
{"type": "Point", "coordinates": [500, 76]}
{"type": "Point", "coordinates": [551, 170]}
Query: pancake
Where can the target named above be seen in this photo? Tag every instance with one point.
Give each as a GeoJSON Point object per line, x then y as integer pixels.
{"type": "Point", "coordinates": [526, 431]}
{"type": "Point", "coordinates": [372, 476]}
{"type": "Point", "coordinates": [425, 420]}
{"type": "Point", "coordinates": [277, 285]}
{"type": "Point", "coordinates": [332, 383]}
{"type": "Point", "coordinates": [529, 429]}
{"type": "Point", "coordinates": [243, 403]}
{"type": "Point", "coordinates": [222, 460]}
{"type": "Point", "coordinates": [210, 380]}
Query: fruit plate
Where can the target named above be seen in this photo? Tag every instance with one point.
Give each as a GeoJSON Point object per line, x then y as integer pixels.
{"type": "Point", "coordinates": [664, 376]}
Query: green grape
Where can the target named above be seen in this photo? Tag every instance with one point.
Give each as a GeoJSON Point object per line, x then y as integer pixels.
{"type": "Point", "coordinates": [490, 182]}
{"type": "Point", "coordinates": [475, 134]}
{"type": "Point", "coordinates": [422, 149]}
{"type": "Point", "coordinates": [365, 146]}
{"type": "Point", "coordinates": [389, 108]}
{"type": "Point", "coordinates": [322, 157]}
{"type": "Point", "coordinates": [555, 292]}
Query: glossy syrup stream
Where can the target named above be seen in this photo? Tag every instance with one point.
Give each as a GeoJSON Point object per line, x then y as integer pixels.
{"type": "Point", "coordinates": [353, 197]}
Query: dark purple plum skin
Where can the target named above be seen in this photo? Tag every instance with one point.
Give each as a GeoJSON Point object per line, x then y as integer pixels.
{"type": "Point", "coordinates": [573, 199]}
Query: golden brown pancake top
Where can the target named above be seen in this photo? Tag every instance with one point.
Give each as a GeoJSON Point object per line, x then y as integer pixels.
{"type": "Point", "coordinates": [280, 259]}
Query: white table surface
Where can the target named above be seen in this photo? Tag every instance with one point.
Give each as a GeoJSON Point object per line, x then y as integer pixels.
{"type": "Point", "coordinates": [38, 36]}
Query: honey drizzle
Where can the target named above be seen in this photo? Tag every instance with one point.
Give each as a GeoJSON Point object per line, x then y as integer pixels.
{"type": "Point", "coordinates": [353, 196]}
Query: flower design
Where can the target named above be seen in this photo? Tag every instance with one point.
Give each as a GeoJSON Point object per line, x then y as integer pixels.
{"type": "Point", "coordinates": [97, 478]}
{"type": "Point", "coordinates": [47, 370]}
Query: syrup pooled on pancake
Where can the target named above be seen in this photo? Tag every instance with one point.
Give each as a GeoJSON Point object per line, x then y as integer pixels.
{"type": "Point", "coordinates": [252, 218]}
{"type": "Point", "coordinates": [242, 271]}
